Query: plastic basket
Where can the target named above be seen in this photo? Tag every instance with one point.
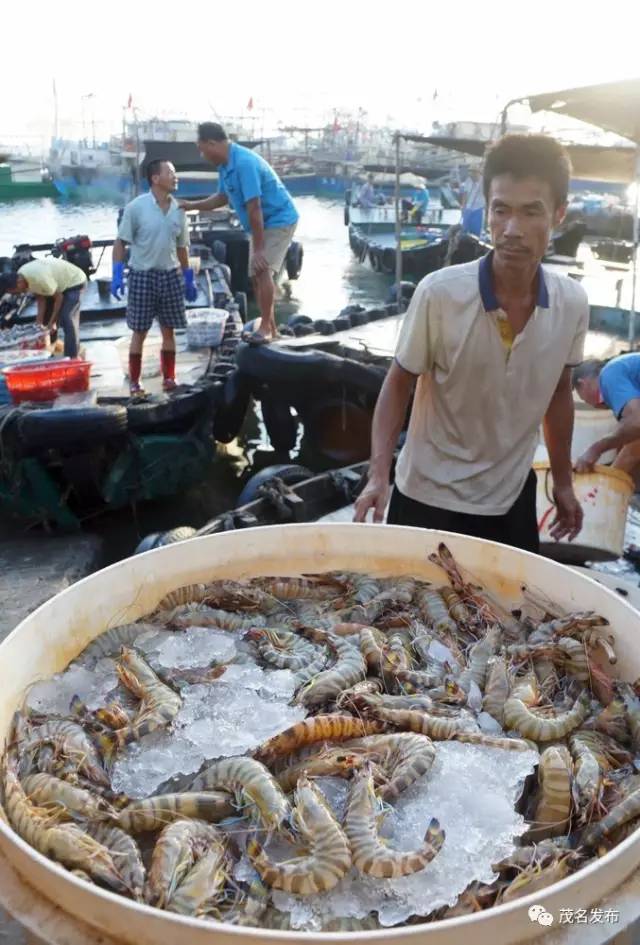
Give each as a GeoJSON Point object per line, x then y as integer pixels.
{"type": "Point", "coordinates": [205, 328]}
{"type": "Point", "coordinates": [45, 380]}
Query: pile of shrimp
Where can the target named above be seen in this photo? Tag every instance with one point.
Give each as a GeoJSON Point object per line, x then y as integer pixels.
{"type": "Point", "coordinates": [385, 669]}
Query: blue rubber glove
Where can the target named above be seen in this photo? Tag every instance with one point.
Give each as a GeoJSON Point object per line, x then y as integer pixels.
{"type": "Point", "coordinates": [117, 280]}
{"type": "Point", "coordinates": [190, 290]}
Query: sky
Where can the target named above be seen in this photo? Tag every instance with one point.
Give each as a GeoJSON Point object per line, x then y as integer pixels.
{"type": "Point", "coordinates": [300, 62]}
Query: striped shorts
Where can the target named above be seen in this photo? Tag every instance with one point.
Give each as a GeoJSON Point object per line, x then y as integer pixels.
{"type": "Point", "coordinates": [155, 293]}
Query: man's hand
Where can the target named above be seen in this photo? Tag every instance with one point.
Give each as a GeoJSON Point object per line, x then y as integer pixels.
{"type": "Point", "coordinates": [588, 460]}
{"type": "Point", "coordinates": [375, 495]}
{"type": "Point", "coordinates": [259, 263]}
{"type": "Point", "coordinates": [184, 204]}
{"type": "Point", "coordinates": [569, 515]}
{"type": "Point", "coordinates": [190, 288]}
{"type": "Point", "coordinates": [117, 280]}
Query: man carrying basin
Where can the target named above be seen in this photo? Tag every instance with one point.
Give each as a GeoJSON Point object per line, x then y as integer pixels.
{"type": "Point", "coordinates": [489, 347]}
{"type": "Point", "coordinates": [160, 278]}
{"type": "Point", "coordinates": [614, 384]}
{"type": "Point", "coordinates": [264, 208]}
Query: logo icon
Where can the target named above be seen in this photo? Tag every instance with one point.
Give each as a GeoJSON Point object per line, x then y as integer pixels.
{"type": "Point", "coordinates": [540, 915]}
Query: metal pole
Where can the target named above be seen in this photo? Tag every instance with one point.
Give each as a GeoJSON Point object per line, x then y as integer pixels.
{"type": "Point", "coordinates": [634, 271]}
{"type": "Point", "coordinates": [398, 227]}
{"type": "Point", "coordinates": [137, 167]}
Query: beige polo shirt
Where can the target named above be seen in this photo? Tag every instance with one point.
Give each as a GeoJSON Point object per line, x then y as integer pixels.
{"type": "Point", "coordinates": [51, 275]}
{"type": "Point", "coordinates": [478, 405]}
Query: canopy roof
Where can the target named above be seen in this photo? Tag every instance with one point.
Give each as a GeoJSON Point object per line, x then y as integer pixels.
{"type": "Point", "coordinates": [589, 162]}
{"type": "Point", "coordinates": [612, 106]}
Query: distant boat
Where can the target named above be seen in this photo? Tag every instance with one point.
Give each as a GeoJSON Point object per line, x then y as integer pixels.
{"type": "Point", "coordinates": [11, 189]}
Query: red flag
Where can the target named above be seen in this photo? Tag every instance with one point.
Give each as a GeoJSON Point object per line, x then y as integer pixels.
{"type": "Point", "coordinates": [250, 104]}
{"type": "Point", "coordinates": [130, 101]}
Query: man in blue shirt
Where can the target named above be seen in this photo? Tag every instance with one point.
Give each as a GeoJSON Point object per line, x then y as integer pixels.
{"type": "Point", "coordinates": [614, 384]}
{"type": "Point", "coordinates": [264, 208]}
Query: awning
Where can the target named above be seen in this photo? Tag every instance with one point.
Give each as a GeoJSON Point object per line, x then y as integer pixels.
{"type": "Point", "coordinates": [589, 162]}
{"type": "Point", "coordinates": [612, 106]}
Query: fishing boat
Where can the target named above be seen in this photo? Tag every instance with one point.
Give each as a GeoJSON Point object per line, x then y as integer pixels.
{"type": "Point", "coordinates": [12, 189]}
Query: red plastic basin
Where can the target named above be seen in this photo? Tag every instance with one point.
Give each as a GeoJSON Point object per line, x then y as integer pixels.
{"type": "Point", "coordinates": [45, 380]}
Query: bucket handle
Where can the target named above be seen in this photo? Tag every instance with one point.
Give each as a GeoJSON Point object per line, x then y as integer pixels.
{"type": "Point", "coordinates": [546, 487]}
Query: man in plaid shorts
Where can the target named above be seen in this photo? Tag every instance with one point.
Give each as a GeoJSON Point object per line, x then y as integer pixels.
{"type": "Point", "coordinates": [160, 278]}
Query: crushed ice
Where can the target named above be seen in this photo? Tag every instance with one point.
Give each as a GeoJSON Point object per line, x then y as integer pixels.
{"type": "Point", "coordinates": [197, 646]}
{"type": "Point", "coordinates": [53, 696]}
{"type": "Point", "coordinates": [472, 791]}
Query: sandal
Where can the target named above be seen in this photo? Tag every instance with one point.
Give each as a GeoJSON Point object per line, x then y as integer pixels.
{"type": "Point", "coordinates": [256, 338]}
{"type": "Point", "coordinates": [168, 385]}
{"type": "Point", "coordinates": [137, 390]}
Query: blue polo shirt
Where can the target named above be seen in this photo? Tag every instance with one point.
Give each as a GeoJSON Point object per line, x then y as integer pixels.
{"type": "Point", "coordinates": [620, 382]}
{"type": "Point", "coordinates": [247, 175]}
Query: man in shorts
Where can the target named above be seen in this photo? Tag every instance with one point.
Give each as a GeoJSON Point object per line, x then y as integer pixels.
{"type": "Point", "coordinates": [264, 208]}
{"type": "Point", "coordinates": [160, 277]}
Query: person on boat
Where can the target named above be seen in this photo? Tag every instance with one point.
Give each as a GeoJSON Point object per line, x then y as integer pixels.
{"type": "Point", "coordinates": [265, 210]}
{"type": "Point", "coordinates": [614, 384]}
{"type": "Point", "coordinates": [420, 204]}
{"type": "Point", "coordinates": [367, 194]}
{"type": "Point", "coordinates": [160, 277]}
{"type": "Point", "coordinates": [473, 202]}
{"type": "Point", "coordinates": [491, 345]}
{"type": "Point", "coordinates": [57, 286]}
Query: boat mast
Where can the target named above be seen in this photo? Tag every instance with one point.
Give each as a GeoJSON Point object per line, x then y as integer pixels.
{"type": "Point", "coordinates": [398, 226]}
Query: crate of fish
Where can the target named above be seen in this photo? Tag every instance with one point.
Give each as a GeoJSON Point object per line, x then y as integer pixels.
{"type": "Point", "coordinates": [205, 328]}
{"type": "Point", "coordinates": [302, 728]}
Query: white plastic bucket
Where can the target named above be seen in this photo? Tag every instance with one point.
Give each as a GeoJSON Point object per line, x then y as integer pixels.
{"type": "Point", "coordinates": [54, 634]}
{"type": "Point", "coordinates": [604, 495]}
{"type": "Point", "coordinates": [589, 426]}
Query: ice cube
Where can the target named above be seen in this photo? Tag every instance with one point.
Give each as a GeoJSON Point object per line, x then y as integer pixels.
{"type": "Point", "coordinates": [197, 646]}
{"type": "Point", "coordinates": [144, 765]}
{"type": "Point", "coordinates": [53, 696]}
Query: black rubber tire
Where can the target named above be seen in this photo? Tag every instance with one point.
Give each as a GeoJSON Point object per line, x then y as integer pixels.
{"type": "Point", "coordinates": [294, 260]}
{"type": "Point", "coordinates": [233, 407]}
{"type": "Point", "coordinates": [346, 216]}
{"type": "Point", "coordinates": [50, 429]}
{"type": "Point", "coordinates": [280, 423]}
{"type": "Point", "coordinates": [294, 320]}
{"type": "Point", "coordinates": [351, 309]}
{"type": "Point", "coordinates": [374, 259]}
{"type": "Point", "coordinates": [388, 261]}
{"type": "Point", "coordinates": [287, 368]}
{"type": "Point", "coordinates": [359, 318]}
{"type": "Point", "coordinates": [325, 326]}
{"type": "Point", "coordinates": [374, 314]}
{"type": "Point", "coordinates": [301, 330]}
{"type": "Point", "coordinates": [290, 475]}
{"type": "Point", "coordinates": [219, 250]}
{"type": "Point", "coordinates": [240, 298]}
{"type": "Point", "coordinates": [342, 322]}
{"type": "Point", "coordinates": [406, 292]}
{"type": "Point", "coordinates": [172, 413]}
